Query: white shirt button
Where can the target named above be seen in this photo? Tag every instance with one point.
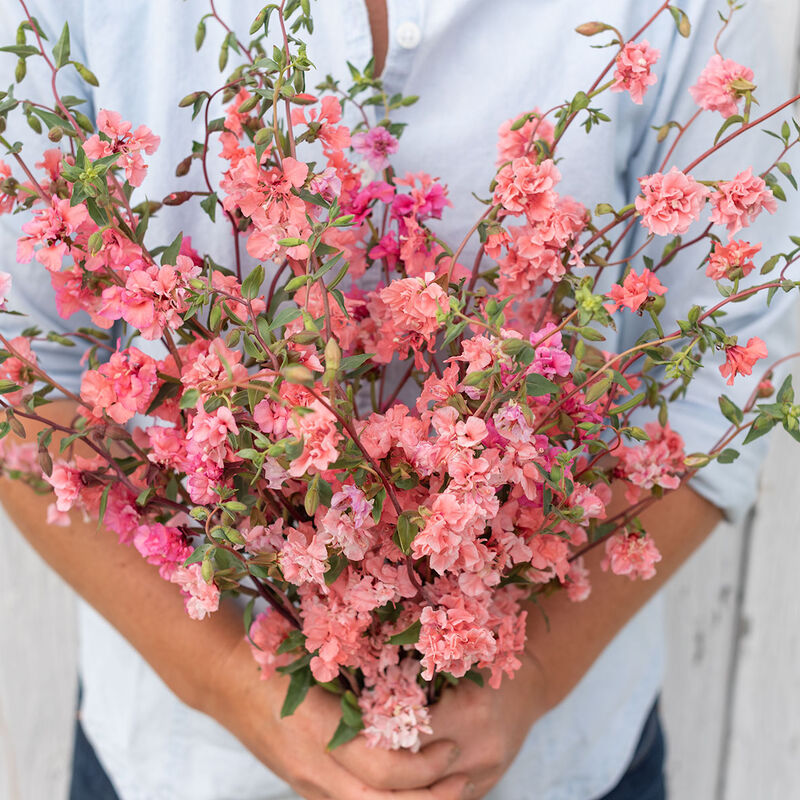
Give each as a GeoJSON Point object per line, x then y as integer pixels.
{"type": "Point", "coordinates": [408, 35]}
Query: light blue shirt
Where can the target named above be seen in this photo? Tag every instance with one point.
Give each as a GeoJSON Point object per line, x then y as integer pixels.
{"type": "Point", "coordinates": [474, 64]}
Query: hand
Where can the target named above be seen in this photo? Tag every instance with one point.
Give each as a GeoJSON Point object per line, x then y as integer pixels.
{"type": "Point", "coordinates": [294, 747]}
{"type": "Point", "coordinates": [489, 725]}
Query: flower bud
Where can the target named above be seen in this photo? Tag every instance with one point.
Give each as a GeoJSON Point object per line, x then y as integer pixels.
{"type": "Point", "coordinates": [95, 242]}
{"type": "Point", "coordinates": [333, 355]}
{"type": "Point", "coordinates": [55, 134]}
{"type": "Point", "coordinates": [183, 167]}
{"type": "Point", "coordinates": [297, 373]}
{"type": "Point", "coordinates": [591, 28]}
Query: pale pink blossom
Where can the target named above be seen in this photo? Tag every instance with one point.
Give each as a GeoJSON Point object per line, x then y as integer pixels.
{"type": "Point", "coordinates": [737, 203]}
{"type": "Point", "coordinates": [200, 598]}
{"type": "Point", "coordinates": [317, 429]}
{"type": "Point", "coordinates": [714, 90]}
{"type": "Point", "coordinates": [670, 202]}
{"type": "Point", "coordinates": [631, 555]}
{"type": "Point", "coordinates": [5, 288]}
{"type": "Point", "coordinates": [268, 631]}
{"type": "Point", "coordinates": [633, 73]}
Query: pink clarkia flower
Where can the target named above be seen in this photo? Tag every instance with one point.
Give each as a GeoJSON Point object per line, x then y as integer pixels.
{"type": "Point", "coordinates": [513, 144]}
{"type": "Point", "coordinates": [320, 437]}
{"type": "Point", "coordinates": [200, 598]}
{"type": "Point", "coordinates": [633, 69]}
{"type": "Point", "coordinates": [5, 288]}
{"type": "Point", "coordinates": [523, 186]}
{"type": "Point", "coordinates": [376, 145]}
{"type": "Point", "coordinates": [67, 485]}
{"type": "Point", "coordinates": [737, 203]}
{"type": "Point", "coordinates": [395, 709]}
{"type": "Point", "coordinates": [121, 140]}
{"type": "Point", "coordinates": [634, 291]}
{"type": "Point", "coordinates": [162, 546]}
{"type": "Point", "coordinates": [121, 387]}
{"type": "Point", "coordinates": [713, 90]}
{"type": "Point", "coordinates": [731, 260]}
{"type": "Point", "coordinates": [740, 360]}
{"type": "Point", "coordinates": [266, 635]}
{"type": "Point", "coordinates": [18, 369]}
{"type": "Point", "coordinates": [657, 462]}
{"type": "Point", "coordinates": [631, 555]}
{"type": "Point", "coordinates": [414, 304]}
{"type": "Point", "coordinates": [51, 227]}
{"type": "Point", "coordinates": [670, 203]}
{"type": "Point", "coordinates": [211, 429]}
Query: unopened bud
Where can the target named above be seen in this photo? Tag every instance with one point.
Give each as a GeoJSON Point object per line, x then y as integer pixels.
{"type": "Point", "coordinates": [591, 28]}
{"type": "Point", "coordinates": [311, 500]}
{"type": "Point", "coordinates": [95, 242]}
{"type": "Point", "coordinates": [765, 388]}
{"type": "Point", "coordinates": [263, 136]}
{"type": "Point", "coordinates": [55, 134]}
{"type": "Point", "coordinates": [333, 355]}
{"type": "Point", "coordinates": [248, 105]}
{"type": "Point", "coordinates": [183, 167]}
{"type": "Point", "coordinates": [176, 198]}
{"type": "Point", "coordinates": [207, 570]}
{"type": "Point", "coordinates": [297, 373]}
{"type": "Point", "coordinates": [189, 99]}
{"type": "Point", "coordinates": [20, 71]}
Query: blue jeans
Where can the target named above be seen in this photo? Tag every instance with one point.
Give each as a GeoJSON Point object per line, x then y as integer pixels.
{"type": "Point", "coordinates": [643, 780]}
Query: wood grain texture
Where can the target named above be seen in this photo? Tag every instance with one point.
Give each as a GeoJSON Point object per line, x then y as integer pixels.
{"type": "Point", "coordinates": [764, 748]}
{"type": "Point", "coordinates": [701, 628]}
{"type": "Point", "coordinates": [37, 674]}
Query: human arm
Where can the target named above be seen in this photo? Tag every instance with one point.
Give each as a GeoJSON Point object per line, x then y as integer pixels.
{"type": "Point", "coordinates": [208, 664]}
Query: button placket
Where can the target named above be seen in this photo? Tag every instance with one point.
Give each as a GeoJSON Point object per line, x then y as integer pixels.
{"type": "Point", "coordinates": [405, 36]}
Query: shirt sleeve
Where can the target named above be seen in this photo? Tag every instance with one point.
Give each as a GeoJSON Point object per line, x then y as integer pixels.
{"type": "Point", "coordinates": [32, 293]}
{"type": "Point", "coordinates": [749, 40]}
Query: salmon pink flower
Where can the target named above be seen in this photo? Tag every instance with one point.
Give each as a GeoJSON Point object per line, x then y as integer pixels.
{"type": "Point", "coordinates": [18, 369]}
{"type": "Point", "coordinates": [121, 387]}
{"type": "Point", "coordinates": [523, 186]}
{"type": "Point", "coordinates": [737, 203]}
{"type": "Point", "coordinates": [631, 555]}
{"type": "Point", "coordinates": [266, 635]}
{"type": "Point", "coordinates": [670, 203]}
{"type": "Point", "coordinates": [634, 291]}
{"type": "Point", "coordinates": [51, 228]}
{"type": "Point", "coordinates": [376, 145]}
{"type": "Point", "coordinates": [514, 143]}
{"type": "Point", "coordinates": [320, 436]}
{"type": "Point", "coordinates": [732, 260]}
{"type": "Point", "coordinates": [199, 597]}
{"type": "Point", "coordinates": [714, 90]}
{"type": "Point", "coordinates": [5, 288]}
{"type": "Point", "coordinates": [120, 140]}
{"type": "Point", "coordinates": [633, 69]}
{"type": "Point", "coordinates": [740, 360]}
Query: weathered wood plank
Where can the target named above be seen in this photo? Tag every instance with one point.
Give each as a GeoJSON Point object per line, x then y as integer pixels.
{"type": "Point", "coordinates": [37, 674]}
{"type": "Point", "coordinates": [764, 754]}
{"type": "Point", "coordinates": [701, 623]}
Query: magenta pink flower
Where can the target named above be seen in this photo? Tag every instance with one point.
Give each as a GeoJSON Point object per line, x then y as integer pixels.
{"type": "Point", "coordinates": [713, 90]}
{"type": "Point", "coordinates": [631, 555]}
{"type": "Point", "coordinates": [376, 145]}
{"type": "Point", "coordinates": [732, 260]}
{"type": "Point", "coordinates": [633, 69]}
{"type": "Point", "coordinates": [670, 203]}
{"type": "Point", "coordinates": [737, 203]}
{"type": "Point", "coordinates": [634, 291]}
{"type": "Point", "coordinates": [741, 360]}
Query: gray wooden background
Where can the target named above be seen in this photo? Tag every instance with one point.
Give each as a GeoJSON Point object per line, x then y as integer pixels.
{"type": "Point", "coordinates": [732, 697]}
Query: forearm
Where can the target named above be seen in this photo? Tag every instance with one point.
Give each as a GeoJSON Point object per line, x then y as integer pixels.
{"type": "Point", "coordinates": [565, 644]}
{"type": "Point", "coordinates": [127, 591]}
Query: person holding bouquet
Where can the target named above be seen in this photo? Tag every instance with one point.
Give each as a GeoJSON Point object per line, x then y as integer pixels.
{"type": "Point", "coordinates": [173, 708]}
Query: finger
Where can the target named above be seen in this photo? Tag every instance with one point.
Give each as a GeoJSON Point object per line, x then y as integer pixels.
{"type": "Point", "coordinates": [398, 769]}
{"type": "Point", "coordinates": [454, 787]}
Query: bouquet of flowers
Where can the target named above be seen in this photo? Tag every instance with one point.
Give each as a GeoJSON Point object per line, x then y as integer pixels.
{"type": "Point", "coordinates": [390, 453]}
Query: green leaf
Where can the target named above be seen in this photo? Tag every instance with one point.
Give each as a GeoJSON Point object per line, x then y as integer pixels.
{"type": "Point", "coordinates": [537, 386]}
{"type": "Point", "coordinates": [170, 255]}
{"type": "Point", "coordinates": [351, 713]}
{"type": "Point", "coordinates": [409, 636]}
{"type": "Point", "coordinates": [597, 389]}
{"type": "Point", "coordinates": [189, 398]}
{"type": "Point", "coordinates": [407, 531]}
{"type": "Point", "coordinates": [354, 362]}
{"type": "Point", "coordinates": [786, 392]}
{"type": "Point", "coordinates": [283, 317]}
{"type": "Point", "coordinates": [209, 205]}
{"type": "Point", "coordinates": [762, 424]}
{"type": "Point", "coordinates": [252, 283]}
{"type": "Point", "coordinates": [103, 503]}
{"type": "Point", "coordinates": [61, 49]}
{"type": "Point", "coordinates": [344, 733]}
{"type": "Point", "coordinates": [293, 640]}
{"type": "Point", "coordinates": [728, 456]}
{"type": "Point", "coordinates": [299, 685]}
{"type": "Point", "coordinates": [730, 410]}
{"type": "Point", "coordinates": [681, 21]}
{"type": "Point", "coordinates": [337, 562]}
{"type": "Point", "coordinates": [732, 120]}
